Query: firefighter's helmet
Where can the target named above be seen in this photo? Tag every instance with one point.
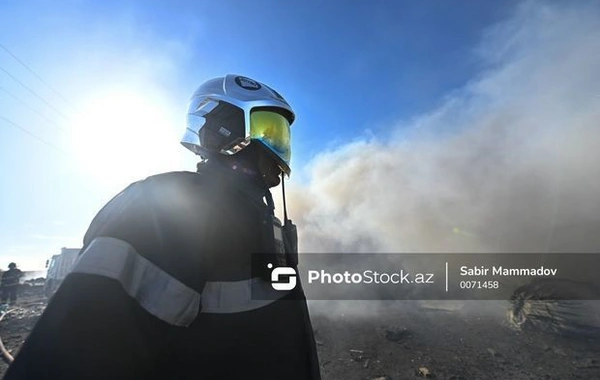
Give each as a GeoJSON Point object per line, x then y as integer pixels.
{"type": "Point", "coordinates": [226, 114]}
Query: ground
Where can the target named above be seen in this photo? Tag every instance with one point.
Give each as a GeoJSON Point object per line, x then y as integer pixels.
{"type": "Point", "coordinates": [406, 341]}
{"type": "Point", "coordinates": [16, 325]}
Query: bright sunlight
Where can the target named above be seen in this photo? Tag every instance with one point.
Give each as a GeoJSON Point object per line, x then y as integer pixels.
{"type": "Point", "coordinates": [122, 135]}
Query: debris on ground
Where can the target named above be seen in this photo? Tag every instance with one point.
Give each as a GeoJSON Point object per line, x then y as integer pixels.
{"type": "Point", "coordinates": [586, 364]}
{"type": "Point", "coordinates": [493, 352]}
{"type": "Point", "coordinates": [18, 320]}
{"type": "Point", "coordinates": [424, 372]}
{"type": "Point", "coordinates": [358, 355]}
{"type": "Point", "coordinates": [556, 306]}
{"type": "Point", "coordinates": [397, 334]}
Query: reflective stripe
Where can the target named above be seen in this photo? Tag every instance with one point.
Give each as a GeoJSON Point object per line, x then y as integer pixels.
{"type": "Point", "coordinates": [155, 290]}
{"type": "Point", "coordinates": [236, 296]}
{"type": "Point", "coordinates": [164, 296]}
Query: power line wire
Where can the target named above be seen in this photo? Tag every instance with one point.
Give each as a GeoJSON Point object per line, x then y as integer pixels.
{"type": "Point", "coordinates": [35, 94]}
{"type": "Point", "coordinates": [31, 134]}
{"type": "Point", "coordinates": [33, 109]}
{"type": "Point", "coordinates": [84, 184]}
{"type": "Point", "coordinates": [36, 75]}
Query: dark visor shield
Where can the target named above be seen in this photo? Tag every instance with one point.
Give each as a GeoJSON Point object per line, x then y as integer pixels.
{"type": "Point", "coordinates": [273, 130]}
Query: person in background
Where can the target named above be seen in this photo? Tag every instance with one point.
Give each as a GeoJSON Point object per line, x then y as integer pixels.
{"type": "Point", "coordinates": [10, 283]}
{"type": "Point", "coordinates": [165, 286]}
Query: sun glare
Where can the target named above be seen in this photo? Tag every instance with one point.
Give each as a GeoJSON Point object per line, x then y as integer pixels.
{"type": "Point", "coordinates": [122, 135]}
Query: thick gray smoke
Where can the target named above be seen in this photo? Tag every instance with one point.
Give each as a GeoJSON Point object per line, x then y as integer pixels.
{"type": "Point", "coordinates": [508, 163]}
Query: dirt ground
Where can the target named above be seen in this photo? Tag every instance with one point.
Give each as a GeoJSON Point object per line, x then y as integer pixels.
{"type": "Point", "coordinates": [16, 325]}
{"type": "Point", "coordinates": [406, 341]}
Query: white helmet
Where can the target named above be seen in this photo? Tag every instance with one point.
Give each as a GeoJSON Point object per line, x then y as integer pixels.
{"type": "Point", "coordinates": [225, 114]}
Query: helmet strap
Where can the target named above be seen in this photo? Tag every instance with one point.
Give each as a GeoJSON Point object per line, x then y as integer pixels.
{"type": "Point", "coordinates": [270, 203]}
{"type": "Point", "coordinates": [285, 216]}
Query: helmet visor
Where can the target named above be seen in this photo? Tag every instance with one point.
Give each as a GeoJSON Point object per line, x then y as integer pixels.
{"type": "Point", "coordinates": [273, 130]}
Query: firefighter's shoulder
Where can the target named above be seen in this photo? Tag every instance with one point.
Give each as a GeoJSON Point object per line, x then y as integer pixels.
{"type": "Point", "coordinates": [162, 218]}
{"type": "Point", "coordinates": [144, 203]}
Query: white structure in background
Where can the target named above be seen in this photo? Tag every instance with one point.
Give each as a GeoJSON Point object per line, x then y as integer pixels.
{"type": "Point", "coordinates": [58, 268]}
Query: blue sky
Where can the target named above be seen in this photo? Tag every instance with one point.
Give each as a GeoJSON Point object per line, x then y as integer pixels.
{"type": "Point", "coordinates": [350, 70]}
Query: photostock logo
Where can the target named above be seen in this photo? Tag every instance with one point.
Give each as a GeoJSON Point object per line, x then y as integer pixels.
{"type": "Point", "coordinates": [282, 272]}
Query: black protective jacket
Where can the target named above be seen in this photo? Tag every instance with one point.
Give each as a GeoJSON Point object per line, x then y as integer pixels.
{"type": "Point", "coordinates": [180, 232]}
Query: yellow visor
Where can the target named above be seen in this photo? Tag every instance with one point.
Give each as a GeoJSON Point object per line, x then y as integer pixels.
{"type": "Point", "coordinates": [273, 130]}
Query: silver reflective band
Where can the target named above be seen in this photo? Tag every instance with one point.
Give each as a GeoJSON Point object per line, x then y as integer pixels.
{"type": "Point", "coordinates": [161, 294]}
{"type": "Point", "coordinates": [155, 290]}
{"type": "Point", "coordinates": [236, 296]}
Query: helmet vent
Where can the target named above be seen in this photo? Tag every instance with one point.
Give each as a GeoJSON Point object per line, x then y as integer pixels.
{"type": "Point", "coordinates": [224, 131]}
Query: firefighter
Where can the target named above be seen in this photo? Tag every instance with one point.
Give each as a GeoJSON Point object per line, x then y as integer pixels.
{"type": "Point", "coordinates": [10, 283]}
{"type": "Point", "coordinates": [165, 285]}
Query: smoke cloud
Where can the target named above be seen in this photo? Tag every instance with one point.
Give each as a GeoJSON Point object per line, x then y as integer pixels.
{"type": "Point", "coordinates": [508, 163]}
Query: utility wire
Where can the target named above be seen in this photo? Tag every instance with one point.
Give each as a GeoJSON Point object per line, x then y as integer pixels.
{"type": "Point", "coordinates": [36, 75]}
{"type": "Point", "coordinates": [35, 94]}
{"type": "Point", "coordinates": [82, 184]}
{"type": "Point", "coordinates": [38, 138]}
{"type": "Point", "coordinates": [33, 109]}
